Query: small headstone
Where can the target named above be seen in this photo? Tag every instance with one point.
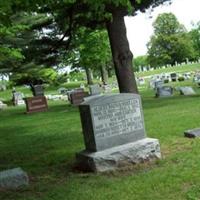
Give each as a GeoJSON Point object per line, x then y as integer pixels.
{"type": "Point", "coordinates": [2, 87]}
{"type": "Point", "coordinates": [36, 104]}
{"type": "Point", "coordinates": [82, 86]}
{"type": "Point", "coordinates": [2, 105]}
{"type": "Point", "coordinates": [95, 89]}
{"type": "Point", "coordinates": [158, 84]}
{"type": "Point", "coordinates": [77, 97]}
{"type": "Point", "coordinates": [141, 81]}
{"type": "Point", "coordinates": [187, 91]}
{"type": "Point", "coordinates": [18, 98]}
{"type": "Point", "coordinates": [152, 83]}
{"type": "Point", "coordinates": [38, 90]}
{"type": "Point", "coordinates": [13, 178]}
{"type": "Point", "coordinates": [192, 133]}
{"type": "Point", "coordinates": [173, 77]}
{"type": "Point", "coordinates": [107, 88]}
{"type": "Point", "coordinates": [164, 91]}
{"type": "Point", "coordinates": [114, 133]}
{"type": "Point", "coordinates": [62, 90]}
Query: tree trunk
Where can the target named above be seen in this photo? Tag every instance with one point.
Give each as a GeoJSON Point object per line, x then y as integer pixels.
{"type": "Point", "coordinates": [104, 75]}
{"type": "Point", "coordinates": [88, 76]}
{"type": "Point", "coordinates": [122, 56]}
{"type": "Point", "coordinates": [109, 72]}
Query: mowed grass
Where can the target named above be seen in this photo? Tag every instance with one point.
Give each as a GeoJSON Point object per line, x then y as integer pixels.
{"type": "Point", "coordinates": [45, 144]}
{"type": "Point", "coordinates": [178, 69]}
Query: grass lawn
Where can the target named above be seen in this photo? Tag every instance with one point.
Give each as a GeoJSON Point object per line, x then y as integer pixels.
{"type": "Point", "coordinates": [44, 145]}
{"type": "Point", "coordinates": [177, 69]}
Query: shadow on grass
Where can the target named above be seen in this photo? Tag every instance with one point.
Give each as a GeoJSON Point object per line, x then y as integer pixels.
{"type": "Point", "coordinates": [41, 143]}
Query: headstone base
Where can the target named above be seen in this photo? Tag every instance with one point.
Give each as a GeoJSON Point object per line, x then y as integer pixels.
{"type": "Point", "coordinates": [114, 158]}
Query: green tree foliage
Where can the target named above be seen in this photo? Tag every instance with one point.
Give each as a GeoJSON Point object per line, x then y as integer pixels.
{"type": "Point", "coordinates": [10, 55]}
{"type": "Point", "coordinates": [195, 37]}
{"type": "Point", "coordinates": [140, 61]}
{"type": "Point", "coordinates": [91, 52]}
{"type": "Point", "coordinates": [70, 15]}
{"type": "Point", "coordinates": [35, 76]}
{"type": "Point", "coordinates": [170, 42]}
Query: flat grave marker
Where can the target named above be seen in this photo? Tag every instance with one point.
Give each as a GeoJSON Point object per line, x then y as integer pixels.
{"type": "Point", "coordinates": [192, 133]}
{"type": "Point", "coordinates": [186, 91]}
{"type": "Point", "coordinates": [13, 178]}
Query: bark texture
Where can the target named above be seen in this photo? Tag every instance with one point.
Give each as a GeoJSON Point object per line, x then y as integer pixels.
{"type": "Point", "coordinates": [88, 76]}
{"type": "Point", "coordinates": [122, 56]}
{"type": "Point", "coordinates": [104, 75]}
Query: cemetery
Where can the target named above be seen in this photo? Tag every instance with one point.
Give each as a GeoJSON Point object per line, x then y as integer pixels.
{"type": "Point", "coordinates": [85, 115]}
{"type": "Point", "coordinates": [44, 151]}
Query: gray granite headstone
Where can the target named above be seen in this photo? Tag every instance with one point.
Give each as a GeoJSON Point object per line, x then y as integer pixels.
{"type": "Point", "coordinates": [187, 91]}
{"type": "Point", "coordinates": [164, 91]}
{"type": "Point", "coordinates": [173, 77]}
{"type": "Point", "coordinates": [38, 90]}
{"type": "Point", "coordinates": [107, 88]}
{"type": "Point", "coordinates": [112, 120]}
{"type": "Point", "coordinates": [2, 105]}
{"type": "Point", "coordinates": [95, 89]}
{"type": "Point", "coordinates": [13, 178]}
{"type": "Point", "coordinates": [114, 133]}
{"type": "Point", "coordinates": [62, 90]}
{"type": "Point", "coordinates": [192, 133]}
{"type": "Point", "coordinates": [2, 87]}
{"type": "Point", "coordinates": [18, 98]}
{"type": "Point", "coordinates": [158, 84]}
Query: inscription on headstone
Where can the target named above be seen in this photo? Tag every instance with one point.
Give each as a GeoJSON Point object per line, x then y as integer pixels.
{"type": "Point", "coordinates": [36, 104]}
{"type": "Point", "coordinates": [117, 118]}
{"type": "Point", "coordinates": [112, 120]}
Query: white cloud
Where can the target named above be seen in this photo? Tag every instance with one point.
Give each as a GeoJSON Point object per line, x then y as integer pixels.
{"type": "Point", "coordinates": [139, 28]}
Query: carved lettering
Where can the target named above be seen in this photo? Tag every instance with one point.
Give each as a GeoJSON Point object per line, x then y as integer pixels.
{"type": "Point", "coordinates": [117, 118]}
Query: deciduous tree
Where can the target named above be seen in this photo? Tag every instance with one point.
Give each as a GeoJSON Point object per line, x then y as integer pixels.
{"type": "Point", "coordinates": [70, 14]}
{"type": "Point", "coordinates": [170, 42]}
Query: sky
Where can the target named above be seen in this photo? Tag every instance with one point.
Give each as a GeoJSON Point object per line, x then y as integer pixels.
{"type": "Point", "coordinates": [139, 28]}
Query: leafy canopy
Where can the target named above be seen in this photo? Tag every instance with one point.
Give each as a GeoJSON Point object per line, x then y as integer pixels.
{"type": "Point", "coordinates": [170, 42]}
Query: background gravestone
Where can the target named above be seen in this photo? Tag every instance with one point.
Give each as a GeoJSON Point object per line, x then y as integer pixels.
{"type": "Point", "coordinates": [13, 178]}
{"type": "Point", "coordinates": [186, 91]}
{"type": "Point", "coordinates": [158, 84]}
{"type": "Point", "coordinates": [164, 91]}
{"type": "Point", "coordinates": [192, 133]}
{"type": "Point", "coordinates": [2, 87]}
{"type": "Point", "coordinates": [95, 89]}
{"type": "Point", "coordinates": [2, 105]}
{"type": "Point", "coordinates": [18, 98]}
{"type": "Point", "coordinates": [173, 77]}
{"type": "Point", "coordinates": [37, 90]}
{"type": "Point", "coordinates": [36, 104]}
{"type": "Point", "coordinates": [114, 133]}
{"type": "Point", "coordinates": [76, 96]}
